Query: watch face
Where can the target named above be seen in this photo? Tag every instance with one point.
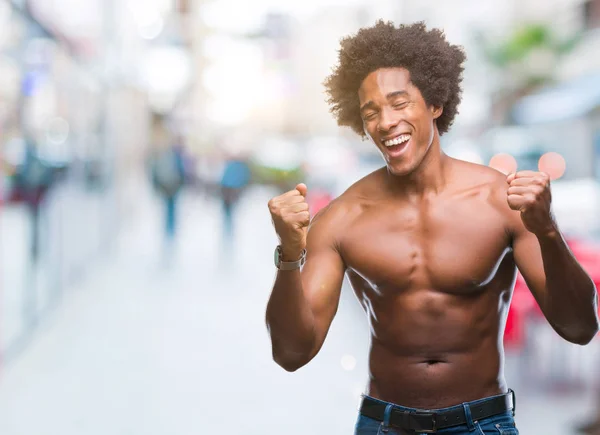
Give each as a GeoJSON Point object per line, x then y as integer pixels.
{"type": "Point", "coordinates": [277, 256]}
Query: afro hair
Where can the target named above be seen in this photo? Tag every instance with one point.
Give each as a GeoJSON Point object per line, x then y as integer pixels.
{"type": "Point", "coordinates": [434, 65]}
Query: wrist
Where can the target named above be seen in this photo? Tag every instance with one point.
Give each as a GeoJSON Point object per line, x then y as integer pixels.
{"type": "Point", "coordinates": [291, 253]}
{"type": "Point", "coordinates": [549, 234]}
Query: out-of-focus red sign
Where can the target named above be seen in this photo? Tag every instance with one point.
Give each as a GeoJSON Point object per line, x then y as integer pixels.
{"type": "Point", "coordinates": [523, 304]}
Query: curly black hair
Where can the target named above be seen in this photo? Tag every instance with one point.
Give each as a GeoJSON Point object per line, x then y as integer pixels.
{"type": "Point", "coordinates": [434, 65]}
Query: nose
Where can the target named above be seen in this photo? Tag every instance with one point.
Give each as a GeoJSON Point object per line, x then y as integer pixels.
{"type": "Point", "coordinates": [387, 120]}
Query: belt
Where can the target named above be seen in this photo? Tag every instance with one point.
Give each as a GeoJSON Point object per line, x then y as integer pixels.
{"type": "Point", "coordinates": [432, 421]}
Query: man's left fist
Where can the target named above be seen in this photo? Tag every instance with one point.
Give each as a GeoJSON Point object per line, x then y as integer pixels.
{"type": "Point", "coordinates": [529, 193]}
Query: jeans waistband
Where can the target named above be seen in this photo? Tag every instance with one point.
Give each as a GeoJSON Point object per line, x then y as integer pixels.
{"type": "Point", "coordinates": [430, 420]}
{"type": "Point", "coordinates": [510, 393]}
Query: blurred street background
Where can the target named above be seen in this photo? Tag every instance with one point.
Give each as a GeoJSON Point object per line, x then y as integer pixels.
{"type": "Point", "coordinates": [140, 141]}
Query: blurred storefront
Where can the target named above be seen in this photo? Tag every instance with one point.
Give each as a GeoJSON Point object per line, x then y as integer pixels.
{"type": "Point", "coordinates": [65, 114]}
{"type": "Point", "coordinates": [564, 117]}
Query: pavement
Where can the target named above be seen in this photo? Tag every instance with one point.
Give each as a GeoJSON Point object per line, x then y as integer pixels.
{"type": "Point", "coordinates": [161, 340]}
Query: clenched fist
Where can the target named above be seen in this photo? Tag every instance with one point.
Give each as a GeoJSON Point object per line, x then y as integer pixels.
{"type": "Point", "coordinates": [291, 216]}
{"type": "Point", "coordinates": [529, 193]}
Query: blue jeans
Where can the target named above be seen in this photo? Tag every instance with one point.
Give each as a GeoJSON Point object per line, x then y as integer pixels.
{"type": "Point", "coordinates": [501, 424]}
{"type": "Point", "coordinates": [171, 216]}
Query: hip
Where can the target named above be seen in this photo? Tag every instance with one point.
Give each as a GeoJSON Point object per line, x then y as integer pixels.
{"type": "Point", "coordinates": [491, 415]}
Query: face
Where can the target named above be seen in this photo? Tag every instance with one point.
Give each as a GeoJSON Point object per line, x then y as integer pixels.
{"type": "Point", "coordinates": [397, 119]}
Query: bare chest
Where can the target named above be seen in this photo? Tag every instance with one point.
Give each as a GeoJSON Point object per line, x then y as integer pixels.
{"type": "Point", "coordinates": [449, 247]}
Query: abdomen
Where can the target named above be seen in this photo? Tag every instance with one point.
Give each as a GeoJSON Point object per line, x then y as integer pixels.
{"type": "Point", "coordinates": [432, 350]}
{"type": "Point", "coordinates": [435, 379]}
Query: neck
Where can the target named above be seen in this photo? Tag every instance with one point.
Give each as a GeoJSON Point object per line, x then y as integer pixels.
{"type": "Point", "coordinates": [430, 177]}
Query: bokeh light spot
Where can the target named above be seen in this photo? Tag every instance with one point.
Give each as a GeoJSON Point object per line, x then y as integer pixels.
{"type": "Point", "coordinates": [504, 163]}
{"type": "Point", "coordinates": [552, 164]}
{"type": "Point", "coordinates": [348, 362]}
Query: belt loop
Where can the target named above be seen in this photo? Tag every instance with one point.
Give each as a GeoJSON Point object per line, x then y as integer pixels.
{"type": "Point", "coordinates": [468, 417]}
{"type": "Point", "coordinates": [385, 425]}
{"type": "Point", "coordinates": [514, 401]}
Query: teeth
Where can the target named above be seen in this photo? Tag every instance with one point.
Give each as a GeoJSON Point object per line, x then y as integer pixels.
{"type": "Point", "coordinates": [397, 141]}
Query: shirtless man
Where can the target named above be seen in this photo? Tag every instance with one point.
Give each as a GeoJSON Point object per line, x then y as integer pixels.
{"type": "Point", "coordinates": [430, 245]}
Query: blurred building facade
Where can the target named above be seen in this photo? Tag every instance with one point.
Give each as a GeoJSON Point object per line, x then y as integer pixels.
{"type": "Point", "coordinates": [74, 90]}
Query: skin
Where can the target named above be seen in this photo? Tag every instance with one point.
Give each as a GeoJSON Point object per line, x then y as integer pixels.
{"type": "Point", "coordinates": [431, 246]}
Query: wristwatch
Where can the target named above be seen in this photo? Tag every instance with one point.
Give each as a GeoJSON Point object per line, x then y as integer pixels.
{"type": "Point", "coordinates": [288, 265]}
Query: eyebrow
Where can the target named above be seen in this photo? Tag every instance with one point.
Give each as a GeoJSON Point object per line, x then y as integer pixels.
{"type": "Point", "coordinates": [370, 104]}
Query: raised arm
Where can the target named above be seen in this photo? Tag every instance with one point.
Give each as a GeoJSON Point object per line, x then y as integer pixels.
{"type": "Point", "coordinates": [303, 302]}
{"type": "Point", "coordinates": [564, 291]}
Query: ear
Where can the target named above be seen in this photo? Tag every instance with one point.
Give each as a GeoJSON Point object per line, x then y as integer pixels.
{"type": "Point", "coordinates": [437, 111]}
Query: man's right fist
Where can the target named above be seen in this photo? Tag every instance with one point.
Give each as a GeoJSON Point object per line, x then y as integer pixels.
{"type": "Point", "coordinates": [291, 216]}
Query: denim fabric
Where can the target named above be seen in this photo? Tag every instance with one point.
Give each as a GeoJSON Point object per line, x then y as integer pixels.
{"type": "Point", "coordinates": [503, 424]}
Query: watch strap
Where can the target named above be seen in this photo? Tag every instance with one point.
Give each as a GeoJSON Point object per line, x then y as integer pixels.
{"type": "Point", "coordinates": [292, 265]}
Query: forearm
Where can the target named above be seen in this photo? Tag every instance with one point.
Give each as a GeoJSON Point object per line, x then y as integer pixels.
{"type": "Point", "coordinates": [571, 299]}
{"type": "Point", "coordinates": [290, 320]}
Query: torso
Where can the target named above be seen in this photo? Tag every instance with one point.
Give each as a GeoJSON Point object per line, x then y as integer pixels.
{"type": "Point", "coordinates": [435, 278]}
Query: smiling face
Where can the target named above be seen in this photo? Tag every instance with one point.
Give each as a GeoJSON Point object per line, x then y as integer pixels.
{"type": "Point", "coordinates": [397, 118]}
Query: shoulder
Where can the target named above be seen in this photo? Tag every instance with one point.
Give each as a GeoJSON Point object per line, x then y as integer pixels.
{"type": "Point", "coordinates": [485, 183]}
{"type": "Point", "coordinates": [493, 186]}
{"type": "Point", "coordinates": [486, 180]}
{"type": "Point", "coordinates": [334, 216]}
{"type": "Point", "coordinates": [487, 173]}
{"type": "Point", "coordinates": [339, 214]}
{"type": "Point", "coordinates": [498, 186]}
{"type": "Point", "coordinates": [366, 188]}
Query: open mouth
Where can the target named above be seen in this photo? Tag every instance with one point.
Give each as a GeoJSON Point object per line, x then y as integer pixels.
{"type": "Point", "coordinates": [397, 145]}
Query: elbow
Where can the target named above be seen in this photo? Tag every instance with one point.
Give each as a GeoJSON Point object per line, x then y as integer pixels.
{"type": "Point", "coordinates": [290, 366]}
{"type": "Point", "coordinates": [583, 340]}
{"type": "Point", "coordinates": [590, 336]}
{"type": "Point", "coordinates": [583, 337]}
{"type": "Point", "coordinates": [293, 354]}
{"type": "Point", "coordinates": [579, 330]}
{"type": "Point", "coordinates": [290, 363]}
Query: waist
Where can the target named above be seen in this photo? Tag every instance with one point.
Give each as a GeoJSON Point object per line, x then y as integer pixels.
{"type": "Point", "coordinates": [435, 380]}
{"type": "Point", "coordinates": [432, 420]}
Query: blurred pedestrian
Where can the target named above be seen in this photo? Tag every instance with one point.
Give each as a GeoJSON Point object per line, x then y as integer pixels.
{"type": "Point", "coordinates": [32, 180]}
{"type": "Point", "coordinates": [168, 178]}
{"type": "Point", "coordinates": [235, 179]}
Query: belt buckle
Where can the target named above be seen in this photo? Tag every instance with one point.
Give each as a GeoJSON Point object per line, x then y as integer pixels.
{"type": "Point", "coordinates": [514, 401]}
{"type": "Point", "coordinates": [433, 422]}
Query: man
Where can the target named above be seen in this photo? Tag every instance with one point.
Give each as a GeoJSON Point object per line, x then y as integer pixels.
{"type": "Point", "coordinates": [33, 180]}
{"type": "Point", "coordinates": [168, 177]}
{"type": "Point", "coordinates": [430, 245]}
{"type": "Point", "coordinates": [235, 179]}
